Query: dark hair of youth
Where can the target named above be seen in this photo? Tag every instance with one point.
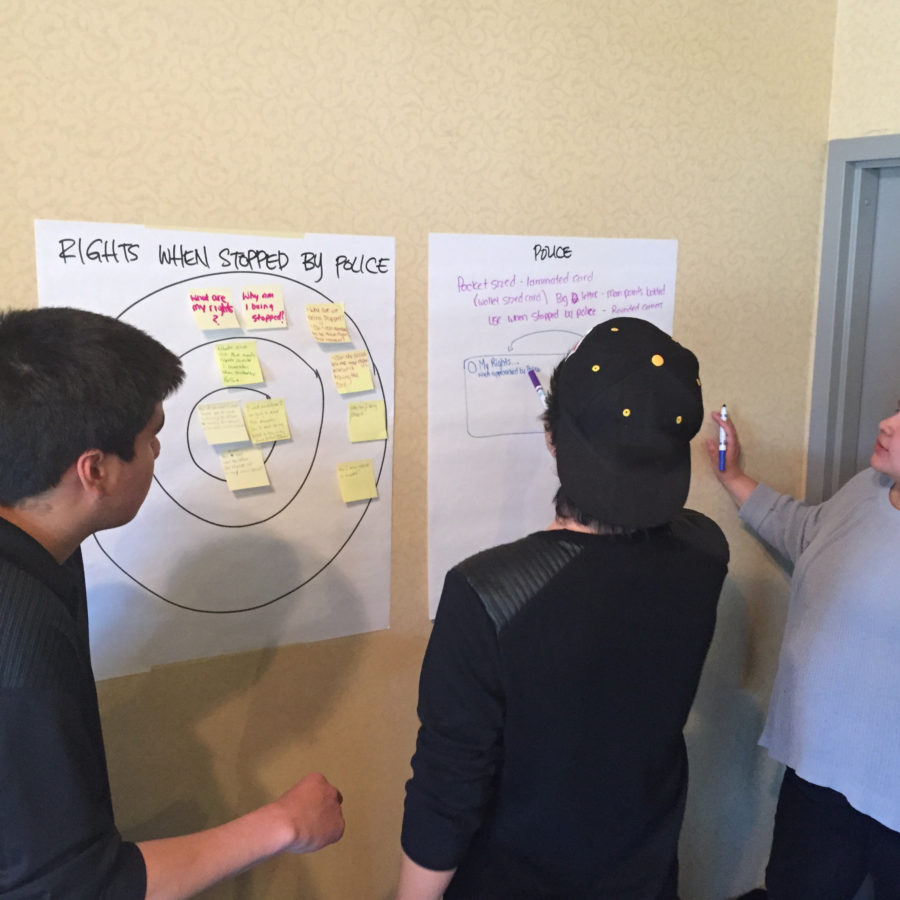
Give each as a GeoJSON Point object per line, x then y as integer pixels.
{"type": "Point", "coordinates": [70, 381]}
{"type": "Point", "coordinates": [565, 508]}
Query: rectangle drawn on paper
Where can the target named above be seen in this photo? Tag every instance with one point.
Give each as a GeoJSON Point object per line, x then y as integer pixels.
{"type": "Point", "coordinates": [500, 398]}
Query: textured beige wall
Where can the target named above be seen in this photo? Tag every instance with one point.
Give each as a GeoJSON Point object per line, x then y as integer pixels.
{"type": "Point", "coordinates": [865, 96]}
{"type": "Point", "coordinates": [693, 119]}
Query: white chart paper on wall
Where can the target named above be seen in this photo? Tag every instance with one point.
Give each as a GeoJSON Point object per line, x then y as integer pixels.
{"type": "Point", "coordinates": [205, 569]}
{"type": "Point", "coordinates": [500, 305]}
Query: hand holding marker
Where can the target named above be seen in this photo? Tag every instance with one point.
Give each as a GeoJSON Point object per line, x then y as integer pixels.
{"type": "Point", "coordinates": [722, 440]}
{"type": "Point", "coordinates": [537, 386]}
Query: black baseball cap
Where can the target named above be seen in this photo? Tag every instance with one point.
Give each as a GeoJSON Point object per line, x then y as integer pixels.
{"type": "Point", "coordinates": [629, 402]}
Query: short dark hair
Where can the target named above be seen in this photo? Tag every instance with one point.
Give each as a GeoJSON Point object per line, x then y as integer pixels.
{"type": "Point", "coordinates": [565, 507]}
{"type": "Point", "coordinates": [70, 381]}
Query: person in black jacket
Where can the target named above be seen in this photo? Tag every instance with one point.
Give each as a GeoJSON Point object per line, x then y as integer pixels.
{"type": "Point", "coordinates": [80, 410]}
{"type": "Point", "coordinates": [550, 762]}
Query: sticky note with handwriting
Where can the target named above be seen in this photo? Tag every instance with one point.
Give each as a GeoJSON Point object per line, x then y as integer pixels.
{"type": "Point", "coordinates": [357, 480]}
{"type": "Point", "coordinates": [263, 307]}
{"type": "Point", "coordinates": [213, 309]}
{"type": "Point", "coordinates": [238, 362]}
{"type": "Point", "coordinates": [327, 322]}
{"type": "Point", "coordinates": [267, 421]}
{"type": "Point", "coordinates": [366, 421]}
{"type": "Point", "coordinates": [222, 423]}
{"type": "Point", "coordinates": [244, 469]}
{"type": "Point", "coordinates": [350, 371]}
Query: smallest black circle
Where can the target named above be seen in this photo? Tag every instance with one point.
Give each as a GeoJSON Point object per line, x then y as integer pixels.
{"type": "Point", "coordinates": [187, 427]}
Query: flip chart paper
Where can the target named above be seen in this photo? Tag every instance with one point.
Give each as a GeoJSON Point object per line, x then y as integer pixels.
{"type": "Point", "coordinates": [213, 309]}
{"type": "Point", "coordinates": [263, 307]}
{"type": "Point", "coordinates": [293, 560]}
{"type": "Point", "coordinates": [267, 421]}
{"type": "Point", "coordinates": [244, 469]}
{"type": "Point", "coordinates": [238, 362]}
{"type": "Point", "coordinates": [366, 421]}
{"type": "Point", "coordinates": [327, 322]}
{"type": "Point", "coordinates": [350, 371]}
{"type": "Point", "coordinates": [222, 423]}
{"type": "Point", "coordinates": [357, 480]}
{"type": "Point", "coordinates": [500, 306]}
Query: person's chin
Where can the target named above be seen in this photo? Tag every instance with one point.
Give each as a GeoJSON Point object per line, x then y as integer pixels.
{"type": "Point", "coordinates": [116, 521]}
{"type": "Point", "coordinates": [882, 465]}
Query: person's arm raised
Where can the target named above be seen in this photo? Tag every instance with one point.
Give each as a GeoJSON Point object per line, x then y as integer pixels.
{"type": "Point", "coordinates": [738, 484]}
{"type": "Point", "coordinates": [304, 819]}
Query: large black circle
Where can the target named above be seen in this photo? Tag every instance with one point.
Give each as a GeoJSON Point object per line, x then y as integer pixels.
{"type": "Point", "coordinates": [365, 508]}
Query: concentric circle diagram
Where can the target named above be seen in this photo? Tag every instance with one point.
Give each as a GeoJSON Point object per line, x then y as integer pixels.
{"type": "Point", "coordinates": [199, 546]}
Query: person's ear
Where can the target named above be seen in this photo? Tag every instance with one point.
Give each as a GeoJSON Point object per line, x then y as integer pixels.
{"type": "Point", "coordinates": [550, 445]}
{"type": "Point", "coordinates": [92, 471]}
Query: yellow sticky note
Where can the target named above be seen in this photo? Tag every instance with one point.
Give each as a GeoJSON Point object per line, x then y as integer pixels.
{"type": "Point", "coordinates": [267, 421]}
{"type": "Point", "coordinates": [366, 421]}
{"type": "Point", "coordinates": [263, 307]}
{"type": "Point", "coordinates": [238, 362]}
{"type": "Point", "coordinates": [327, 322]}
{"type": "Point", "coordinates": [357, 480]}
{"type": "Point", "coordinates": [350, 371]}
{"type": "Point", "coordinates": [213, 309]}
{"type": "Point", "coordinates": [222, 423]}
{"type": "Point", "coordinates": [244, 469]}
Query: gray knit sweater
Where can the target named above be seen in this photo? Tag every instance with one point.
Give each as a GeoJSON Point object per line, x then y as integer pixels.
{"type": "Point", "coordinates": [834, 715]}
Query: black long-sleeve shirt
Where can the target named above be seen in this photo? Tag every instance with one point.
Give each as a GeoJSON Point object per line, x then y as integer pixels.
{"type": "Point", "coordinates": [558, 678]}
{"type": "Point", "coordinates": [57, 834]}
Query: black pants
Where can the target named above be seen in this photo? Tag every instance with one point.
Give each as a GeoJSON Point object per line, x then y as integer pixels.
{"type": "Point", "coordinates": [823, 848]}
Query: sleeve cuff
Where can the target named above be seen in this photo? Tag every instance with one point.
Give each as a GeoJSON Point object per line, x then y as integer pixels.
{"type": "Point", "coordinates": [757, 505]}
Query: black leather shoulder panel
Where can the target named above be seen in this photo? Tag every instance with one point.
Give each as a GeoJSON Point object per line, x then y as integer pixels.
{"type": "Point", "coordinates": [507, 577]}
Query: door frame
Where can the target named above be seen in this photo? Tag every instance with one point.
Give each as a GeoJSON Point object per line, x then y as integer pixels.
{"type": "Point", "coordinates": [851, 192]}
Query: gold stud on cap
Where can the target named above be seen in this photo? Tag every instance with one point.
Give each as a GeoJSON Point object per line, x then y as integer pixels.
{"type": "Point", "coordinates": [595, 368]}
{"type": "Point", "coordinates": [626, 413]}
{"type": "Point", "coordinates": [677, 420]}
{"type": "Point", "coordinates": [614, 329]}
{"type": "Point", "coordinates": [656, 359]}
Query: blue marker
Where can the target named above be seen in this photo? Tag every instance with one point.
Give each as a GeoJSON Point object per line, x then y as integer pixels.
{"type": "Point", "coordinates": [537, 386]}
{"type": "Point", "coordinates": [723, 412]}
